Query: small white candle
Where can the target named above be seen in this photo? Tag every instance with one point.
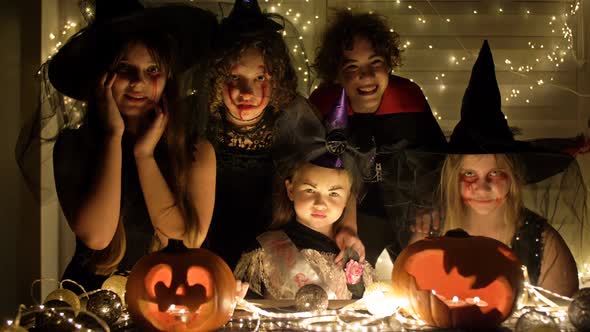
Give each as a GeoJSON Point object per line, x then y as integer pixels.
{"type": "Point", "coordinates": [477, 301]}
{"type": "Point", "coordinates": [455, 302]}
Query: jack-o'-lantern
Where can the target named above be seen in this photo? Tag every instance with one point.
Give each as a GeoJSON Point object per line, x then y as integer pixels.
{"type": "Point", "coordinates": [458, 280]}
{"type": "Point", "coordinates": [181, 289]}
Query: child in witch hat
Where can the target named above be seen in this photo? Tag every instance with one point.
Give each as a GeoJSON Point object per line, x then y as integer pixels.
{"type": "Point", "coordinates": [320, 175]}
{"type": "Point", "coordinates": [253, 85]}
{"type": "Point", "coordinates": [136, 172]}
{"type": "Point", "coordinates": [484, 177]}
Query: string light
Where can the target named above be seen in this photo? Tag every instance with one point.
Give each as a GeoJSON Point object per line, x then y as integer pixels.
{"type": "Point", "coordinates": [525, 69]}
{"type": "Point", "coordinates": [305, 26]}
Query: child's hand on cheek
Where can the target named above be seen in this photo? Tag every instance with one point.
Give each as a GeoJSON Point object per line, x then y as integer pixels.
{"type": "Point", "coordinates": [346, 238]}
{"type": "Point", "coordinates": [108, 110]}
{"type": "Point", "coordinates": [145, 145]}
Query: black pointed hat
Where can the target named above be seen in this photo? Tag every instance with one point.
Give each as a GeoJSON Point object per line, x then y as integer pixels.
{"type": "Point", "coordinates": [483, 128]}
{"type": "Point", "coordinates": [246, 18]}
{"type": "Point", "coordinates": [74, 68]}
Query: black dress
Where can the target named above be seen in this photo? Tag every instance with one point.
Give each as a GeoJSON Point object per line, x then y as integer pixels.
{"type": "Point", "coordinates": [245, 173]}
{"type": "Point", "coordinates": [75, 158]}
{"type": "Point", "coordinates": [527, 243]}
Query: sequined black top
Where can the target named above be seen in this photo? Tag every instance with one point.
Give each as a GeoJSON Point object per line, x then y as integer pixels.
{"type": "Point", "coordinates": [527, 243]}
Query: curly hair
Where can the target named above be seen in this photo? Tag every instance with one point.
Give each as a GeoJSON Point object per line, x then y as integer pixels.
{"type": "Point", "coordinates": [339, 37]}
{"type": "Point", "coordinates": [276, 59]}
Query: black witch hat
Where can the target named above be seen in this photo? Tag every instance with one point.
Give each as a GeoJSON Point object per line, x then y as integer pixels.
{"type": "Point", "coordinates": [483, 128]}
{"type": "Point", "coordinates": [74, 68]}
{"type": "Point", "coordinates": [247, 19]}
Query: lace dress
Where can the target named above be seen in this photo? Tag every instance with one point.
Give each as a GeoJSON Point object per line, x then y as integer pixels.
{"type": "Point", "coordinates": [318, 250]}
{"type": "Point", "coordinates": [245, 173]}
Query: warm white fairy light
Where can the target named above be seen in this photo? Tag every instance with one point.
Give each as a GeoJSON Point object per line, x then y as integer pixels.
{"type": "Point", "coordinates": [521, 69]}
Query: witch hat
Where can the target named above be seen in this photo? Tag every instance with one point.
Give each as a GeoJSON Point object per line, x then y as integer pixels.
{"type": "Point", "coordinates": [246, 18]}
{"type": "Point", "coordinates": [483, 128]}
{"type": "Point", "coordinates": [336, 124]}
{"type": "Point", "coordinates": [74, 69]}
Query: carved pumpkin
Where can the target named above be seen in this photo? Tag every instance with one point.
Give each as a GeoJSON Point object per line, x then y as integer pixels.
{"type": "Point", "coordinates": [458, 280]}
{"type": "Point", "coordinates": [181, 289]}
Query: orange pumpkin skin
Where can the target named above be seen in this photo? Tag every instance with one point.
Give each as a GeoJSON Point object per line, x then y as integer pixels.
{"type": "Point", "coordinates": [194, 280]}
{"type": "Point", "coordinates": [465, 267]}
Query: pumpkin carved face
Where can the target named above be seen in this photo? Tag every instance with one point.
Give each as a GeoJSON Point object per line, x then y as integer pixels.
{"type": "Point", "coordinates": [458, 281]}
{"type": "Point", "coordinates": [181, 289]}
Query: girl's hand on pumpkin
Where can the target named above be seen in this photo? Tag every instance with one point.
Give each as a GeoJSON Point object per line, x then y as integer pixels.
{"type": "Point", "coordinates": [108, 111]}
{"type": "Point", "coordinates": [346, 238]}
{"type": "Point", "coordinates": [427, 223]}
{"type": "Point", "coordinates": [145, 145]}
{"type": "Point", "coordinates": [241, 289]}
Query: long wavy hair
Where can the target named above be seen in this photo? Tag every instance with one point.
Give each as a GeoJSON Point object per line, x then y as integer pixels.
{"type": "Point", "coordinates": [339, 37]}
{"type": "Point", "coordinates": [450, 191]}
{"type": "Point", "coordinates": [276, 59]}
{"type": "Point", "coordinates": [174, 152]}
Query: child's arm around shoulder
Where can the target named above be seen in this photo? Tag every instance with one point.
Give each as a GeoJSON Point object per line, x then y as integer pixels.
{"type": "Point", "coordinates": [558, 268]}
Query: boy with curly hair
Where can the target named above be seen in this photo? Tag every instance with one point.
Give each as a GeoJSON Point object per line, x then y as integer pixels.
{"type": "Point", "coordinates": [358, 53]}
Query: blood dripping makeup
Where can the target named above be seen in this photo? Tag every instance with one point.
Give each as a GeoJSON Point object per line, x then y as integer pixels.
{"type": "Point", "coordinates": [484, 182]}
{"type": "Point", "coordinates": [139, 83]}
{"type": "Point", "coordinates": [247, 91]}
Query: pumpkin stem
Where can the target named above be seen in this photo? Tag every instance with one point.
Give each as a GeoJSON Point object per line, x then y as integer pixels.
{"type": "Point", "coordinates": [175, 246]}
{"type": "Point", "coordinates": [457, 232]}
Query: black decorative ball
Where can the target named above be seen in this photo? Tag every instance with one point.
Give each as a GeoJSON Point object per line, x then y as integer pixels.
{"type": "Point", "coordinates": [106, 305]}
{"type": "Point", "coordinates": [579, 310]}
{"type": "Point", "coordinates": [89, 322]}
{"type": "Point", "coordinates": [54, 320]}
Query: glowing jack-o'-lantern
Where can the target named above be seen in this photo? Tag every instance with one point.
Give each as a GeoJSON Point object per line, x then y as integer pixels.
{"type": "Point", "coordinates": [458, 280]}
{"type": "Point", "coordinates": [181, 289]}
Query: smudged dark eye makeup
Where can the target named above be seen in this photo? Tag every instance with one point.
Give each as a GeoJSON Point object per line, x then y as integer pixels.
{"type": "Point", "coordinates": [126, 68]}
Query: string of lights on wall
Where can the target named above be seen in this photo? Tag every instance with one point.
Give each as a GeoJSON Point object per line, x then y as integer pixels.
{"type": "Point", "coordinates": [301, 26]}
{"type": "Point", "coordinates": [556, 55]}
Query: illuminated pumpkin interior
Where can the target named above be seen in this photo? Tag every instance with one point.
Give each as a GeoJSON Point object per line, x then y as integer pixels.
{"type": "Point", "coordinates": [428, 269]}
{"type": "Point", "coordinates": [158, 273]}
{"type": "Point", "coordinates": [197, 275]}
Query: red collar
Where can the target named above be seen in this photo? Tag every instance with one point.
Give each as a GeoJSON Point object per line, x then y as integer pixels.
{"type": "Point", "coordinates": [400, 96]}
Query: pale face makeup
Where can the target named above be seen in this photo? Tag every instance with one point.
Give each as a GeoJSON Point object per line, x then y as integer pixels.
{"type": "Point", "coordinates": [485, 183]}
{"type": "Point", "coordinates": [319, 196]}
